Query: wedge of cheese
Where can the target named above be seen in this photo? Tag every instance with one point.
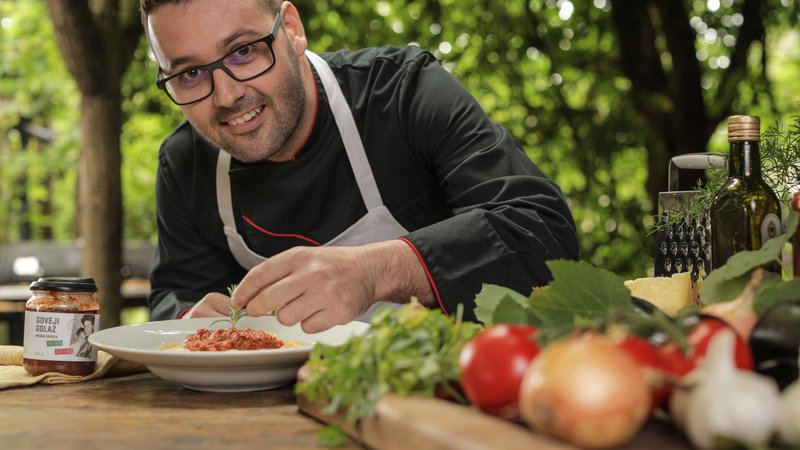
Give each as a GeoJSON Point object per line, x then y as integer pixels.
{"type": "Point", "coordinates": [668, 294]}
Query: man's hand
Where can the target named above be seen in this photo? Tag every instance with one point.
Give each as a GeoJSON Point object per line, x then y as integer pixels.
{"type": "Point", "coordinates": [212, 305]}
{"type": "Point", "coordinates": [320, 287]}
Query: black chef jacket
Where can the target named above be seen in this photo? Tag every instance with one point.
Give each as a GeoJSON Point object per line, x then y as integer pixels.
{"type": "Point", "coordinates": [476, 207]}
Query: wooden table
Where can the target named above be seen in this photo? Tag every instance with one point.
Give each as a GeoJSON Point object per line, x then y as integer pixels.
{"type": "Point", "coordinates": [143, 411]}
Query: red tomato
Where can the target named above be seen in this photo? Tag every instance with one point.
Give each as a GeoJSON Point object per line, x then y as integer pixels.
{"type": "Point", "coordinates": [493, 364]}
{"type": "Point", "coordinates": [647, 355]}
{"type": "Point", "coordinates": [699, 336]}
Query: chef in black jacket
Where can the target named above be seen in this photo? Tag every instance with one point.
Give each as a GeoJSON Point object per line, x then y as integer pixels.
{"type": "Point", "coordinates": [328, 185]}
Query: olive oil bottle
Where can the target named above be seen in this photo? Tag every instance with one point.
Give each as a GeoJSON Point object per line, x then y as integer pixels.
{"type": "Point", "coordinates": [745, 212]}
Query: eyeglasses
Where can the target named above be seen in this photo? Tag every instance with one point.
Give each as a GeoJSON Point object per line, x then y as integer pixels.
{"type": "Point", "coordinates": [243, 63]}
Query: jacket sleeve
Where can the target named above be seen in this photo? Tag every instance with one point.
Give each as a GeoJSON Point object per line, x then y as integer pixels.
{"type": "Point", "coordinates": [189, 260]}
{"type": "Point", "coordinates": [508, 218]}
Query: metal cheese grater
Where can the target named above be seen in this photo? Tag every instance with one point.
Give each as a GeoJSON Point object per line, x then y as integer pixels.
{"type": "Point", "coordinates": [684, 247]}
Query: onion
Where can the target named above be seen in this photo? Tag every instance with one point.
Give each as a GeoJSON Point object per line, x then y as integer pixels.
{"type": "Point", "coordinates": [586, 392]}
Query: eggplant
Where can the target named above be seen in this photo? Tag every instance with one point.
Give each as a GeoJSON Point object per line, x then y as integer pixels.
{"type": "Point", "coordinates": [775, 342]}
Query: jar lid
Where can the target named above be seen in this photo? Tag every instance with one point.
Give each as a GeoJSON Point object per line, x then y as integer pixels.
{"type": "Point", "coordinates": [64, 284]}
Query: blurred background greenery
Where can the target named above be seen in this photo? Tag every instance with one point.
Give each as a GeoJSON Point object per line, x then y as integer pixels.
{"type": "Point", "coordinates": [601, 94]}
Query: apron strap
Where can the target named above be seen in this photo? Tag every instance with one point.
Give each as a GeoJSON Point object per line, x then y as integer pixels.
{"type": "Point", "coordinates": [349, 133]}
{"type": "Point", "coordinates": [244, 256]}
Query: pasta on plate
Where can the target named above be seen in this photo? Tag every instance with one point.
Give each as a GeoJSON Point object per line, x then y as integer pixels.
{"type": "Point", "coordinates": [225, 339]}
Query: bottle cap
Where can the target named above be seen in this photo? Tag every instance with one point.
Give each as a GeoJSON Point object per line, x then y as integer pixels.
{"type": "Point", "coordinates": [744, 128]}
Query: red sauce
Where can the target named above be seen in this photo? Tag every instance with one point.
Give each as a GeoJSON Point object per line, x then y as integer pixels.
{"type": "Point", "coordinates": [231, 339]}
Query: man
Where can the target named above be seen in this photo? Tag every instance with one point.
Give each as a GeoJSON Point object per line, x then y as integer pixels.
{"type": "Point", "coordinates": [324, 184]}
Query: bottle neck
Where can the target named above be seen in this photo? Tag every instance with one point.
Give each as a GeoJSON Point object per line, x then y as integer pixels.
{"type": "Point", "coordinates": [744, 159]}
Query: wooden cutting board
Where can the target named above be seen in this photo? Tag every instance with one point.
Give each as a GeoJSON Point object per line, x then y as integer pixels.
{"type": "Point", "coordinates": [422, 423]}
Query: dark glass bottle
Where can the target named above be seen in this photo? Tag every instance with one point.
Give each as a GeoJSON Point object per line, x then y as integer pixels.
{"type": "Point", "coordinates": [745, 212]}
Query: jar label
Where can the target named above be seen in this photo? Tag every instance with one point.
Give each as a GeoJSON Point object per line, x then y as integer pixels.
{"type": "Point", "coordinates": [53, 336]}
{"type": "Point", "coordinates": [770, 227]}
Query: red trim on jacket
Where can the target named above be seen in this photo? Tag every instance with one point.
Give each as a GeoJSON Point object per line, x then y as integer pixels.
{"type": "Point", "coordinates": [183, 313]}
{"type": "Point", "coordinates": [427, 273]}
{"type": "Point", "coordinates": [296, 236]}
{"type": "Point", "coordinates": [316, 109]}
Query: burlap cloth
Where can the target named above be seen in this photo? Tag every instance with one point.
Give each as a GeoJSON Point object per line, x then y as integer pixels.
{"type": "Point", "coordinates": [12, 374]}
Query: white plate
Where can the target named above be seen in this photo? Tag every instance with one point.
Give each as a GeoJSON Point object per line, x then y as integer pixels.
{"type": "Point", "coordinates": [232, 371]}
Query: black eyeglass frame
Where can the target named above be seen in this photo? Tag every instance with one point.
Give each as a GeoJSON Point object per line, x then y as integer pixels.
{"type": "Point", "coordinates": [161, 83]}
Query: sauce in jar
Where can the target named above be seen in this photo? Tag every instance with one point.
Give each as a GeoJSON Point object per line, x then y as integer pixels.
{"type": "Point", "coordinates": [59, 317]}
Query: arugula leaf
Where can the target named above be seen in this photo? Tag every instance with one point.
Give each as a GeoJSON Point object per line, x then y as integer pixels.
{"type": "Point", "coordinates": [489, 298]}
{"type": "Point", "coordinates": [578, 291]}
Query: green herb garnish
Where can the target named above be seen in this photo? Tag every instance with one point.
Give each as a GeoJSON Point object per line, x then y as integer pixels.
{"type": "Point", "coordinates": [410, 351]}
{"type": "Point", "coordinates": [332, 436]}
{"type": "Point", "coordinates": [234, 313]}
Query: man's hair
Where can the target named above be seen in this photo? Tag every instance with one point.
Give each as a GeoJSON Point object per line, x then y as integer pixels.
{"type": "Point", "coordinates": [147, 6]}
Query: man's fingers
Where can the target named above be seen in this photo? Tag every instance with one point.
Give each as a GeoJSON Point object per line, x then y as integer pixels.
{"type": "Point", "coordinates": [259, 277]}
{"type": "Point", "coordinates": [296, 311]}
{"type": "Point", "coordinates": [212, 305]}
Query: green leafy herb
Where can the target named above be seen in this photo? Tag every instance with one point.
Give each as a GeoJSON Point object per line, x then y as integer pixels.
{"type": "Point", "coordinates": [410, 351]}
{"type": "Point", "coordinates": [234, 313]}
{"type": "Point", "coordinates": [579, 293]}
{"type": "Point", "coordinates": [578, 290]}
{"type": "Point", "coordinates": [332, 436]}
{"type": "Point", "coordinates": [497, 304]}
{"type": "Point", "coordinates": [777, 293]}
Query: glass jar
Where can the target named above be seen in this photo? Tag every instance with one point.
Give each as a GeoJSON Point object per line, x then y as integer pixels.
{"type": "Point", "coordinates": [59, 318]}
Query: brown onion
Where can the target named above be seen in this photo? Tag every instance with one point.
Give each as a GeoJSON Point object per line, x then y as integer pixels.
{"type": "Point", "coordinates": [587, 392]}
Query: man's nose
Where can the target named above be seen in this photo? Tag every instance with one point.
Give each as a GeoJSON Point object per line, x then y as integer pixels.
{"type": "Point", "coordinates": [226, 90]}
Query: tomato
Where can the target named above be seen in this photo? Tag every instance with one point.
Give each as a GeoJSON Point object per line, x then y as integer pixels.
{"type": "Point", "coordinates": [647, 355]}
{"type": "Point", "coordinates": [701, 330]}
{"type": "Point", "coordinates": [493, 364]}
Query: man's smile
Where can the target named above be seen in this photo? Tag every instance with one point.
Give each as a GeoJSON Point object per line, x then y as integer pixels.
{"type": "Point", "coordinates": [246, 117]}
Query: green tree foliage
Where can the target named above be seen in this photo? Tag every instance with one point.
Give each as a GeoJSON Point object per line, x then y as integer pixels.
{"type": "Point", "coordinates": [551, 71]}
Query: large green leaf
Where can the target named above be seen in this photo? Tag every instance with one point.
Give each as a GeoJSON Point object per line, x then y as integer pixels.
{"type": "Point", "coordinates": [727, 282]}
{"type": "Point", "coordinates": [745, 261]}
{"type": "Point", "coordinates": [777, 293]}
{"type": "Point", "coordinates": [493, 298]}
{"type": "Point", "coordinates": [578, 291]}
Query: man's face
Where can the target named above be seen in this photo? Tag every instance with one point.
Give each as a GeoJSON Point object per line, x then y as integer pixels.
{"type": "Point", "coordinates": [251, 120]}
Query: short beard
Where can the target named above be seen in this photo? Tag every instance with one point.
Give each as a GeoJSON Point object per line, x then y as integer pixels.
{"type": "Point", "coordinates": [284, 122]}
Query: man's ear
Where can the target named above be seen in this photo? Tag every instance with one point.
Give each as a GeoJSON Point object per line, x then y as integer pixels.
{"type": "Point", "coordinates": [294, 28]}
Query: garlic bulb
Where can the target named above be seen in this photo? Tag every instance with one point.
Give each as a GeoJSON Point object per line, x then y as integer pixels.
{"type": "Point", "coordinates": [729, 403]}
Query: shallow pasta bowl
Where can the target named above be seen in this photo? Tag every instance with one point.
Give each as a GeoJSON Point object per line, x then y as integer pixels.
{"type": "Point", "coordinates": [230, 371]}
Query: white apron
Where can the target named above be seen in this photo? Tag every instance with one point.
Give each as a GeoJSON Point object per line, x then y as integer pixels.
{"type": "Point", "coordinates": [377, 225]}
